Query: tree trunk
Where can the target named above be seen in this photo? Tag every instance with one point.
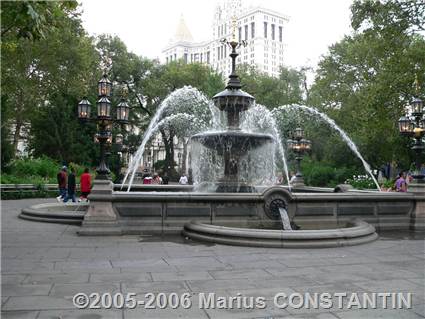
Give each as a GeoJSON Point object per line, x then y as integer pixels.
{"type": "Point", "coordinates": [17, 135]}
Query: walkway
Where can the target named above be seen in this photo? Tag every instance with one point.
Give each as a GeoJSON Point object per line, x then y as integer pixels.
{"type": "Point", "coordinates": [45, 265]}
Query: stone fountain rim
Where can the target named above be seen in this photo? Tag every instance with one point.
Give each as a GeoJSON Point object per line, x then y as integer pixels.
{"type": "Point", "coordinates": [360, 233]}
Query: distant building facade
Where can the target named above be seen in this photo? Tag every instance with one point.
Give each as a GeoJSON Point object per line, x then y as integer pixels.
{"type": "Point", "coordinates": [263, 29]}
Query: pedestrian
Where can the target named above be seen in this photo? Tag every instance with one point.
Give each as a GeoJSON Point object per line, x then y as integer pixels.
{"type": "Point", "coordinates": [400, 183]}
{"type": "Point", "coordinates": [183, 179]}
{"type": "Point", "coordinates": [409, 178]}
{"type": "Point", "coordinates": [85, 184]}
{"type": "Point", "coordinates": [147, 179]}
{"type": "Point", "coordinates": [157, 179]}
{"type": "Point", "coordinates": [71, 187]}
{"type": "Point", "coordinates": [293, 177]}
{"type": "Point", "coordinates": [280, 179]}
{"type": "Point", "coordinates": [62, 182]}
{"type": "Point", "coordinates": [165, 179]}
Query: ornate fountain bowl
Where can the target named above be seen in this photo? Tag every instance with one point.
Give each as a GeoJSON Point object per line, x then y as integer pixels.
{"type": "Point", "coordinates": [235, 142]}
{"type": "Point", "coordinates": [231, 100]}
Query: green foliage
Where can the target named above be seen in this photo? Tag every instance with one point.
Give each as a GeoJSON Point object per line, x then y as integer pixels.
{"type": "Point", "coordinates": [32, 19]}
{"type": "Point", "coordinates": [388, 16]}
{"type": "Point", "coordinates": [37, 171]}
{"type": "Point", "coordinates": [324, 174]}
{"type": "Point", "coordinates": [44, 76]}
{"type": "Point", "coordinates": [269, 91]}
{"type": "Point", "coordinates": [31, 171]}
{"type": "Point", "coordinates": [6, 145]}
{"type": "Point", "coordinates": [366, 79]}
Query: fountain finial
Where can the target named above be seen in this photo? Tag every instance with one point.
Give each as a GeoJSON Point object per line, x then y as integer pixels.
{"type": "Point", "coordinates": [234, 83]}
{"type": "Point", "coordinates": [233, 100]}
{"type": "Point", "coordinates": [234, 26]}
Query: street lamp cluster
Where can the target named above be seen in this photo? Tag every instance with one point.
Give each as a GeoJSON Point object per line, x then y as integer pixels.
{"type": "Point", "coordinates": [300, 146]}
{"type": "Point", "coordinates": [413, 125]}
{"type": "Point", "coordinates": [105, 120]}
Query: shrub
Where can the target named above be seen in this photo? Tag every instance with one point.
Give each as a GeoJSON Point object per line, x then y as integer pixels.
{"type": "Point", "coordinates": [361, 182]}
{"type": "Point", "coordinates": [325, 175]}
{"type": "Point", "coordinates": [31, 171]}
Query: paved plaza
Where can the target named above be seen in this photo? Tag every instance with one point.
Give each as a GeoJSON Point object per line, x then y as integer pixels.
{"type": "Point", "coordinates": [45, 265]}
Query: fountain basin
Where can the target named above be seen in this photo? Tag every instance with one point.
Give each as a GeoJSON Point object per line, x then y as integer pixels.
{"type": "Point", "coordinates": [151, 210]}
{"type": "Point", "coordinates": [236, 142]}
{"type": "Point", "coordinates": [356, 232]}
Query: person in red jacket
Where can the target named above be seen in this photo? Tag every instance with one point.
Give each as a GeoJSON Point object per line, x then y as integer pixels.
{"type": "Point", "coordinates": [85, 184]}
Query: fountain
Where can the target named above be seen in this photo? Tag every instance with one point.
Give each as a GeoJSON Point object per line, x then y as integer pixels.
{"type": "Point", "coordinates": [235, 200]}
{"type": "Point", "coordinates": [233, 144]}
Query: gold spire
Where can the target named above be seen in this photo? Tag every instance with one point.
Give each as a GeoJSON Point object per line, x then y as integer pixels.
{"type": "Point", "coordinates": [182, 32]}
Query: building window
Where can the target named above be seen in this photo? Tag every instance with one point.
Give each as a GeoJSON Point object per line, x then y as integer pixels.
{"type": "Point", "coordinates": [166, 59]}
{"type": "Point", "coordinates": [280, 34]}
{"type": "Point", "coordinates": [273, 27]}
{"type": "Point", "coordinates": [208, 57]}
{"type": "Point", "coordinates": [225, 51]}
{"type": "Point", "coordinates": [201, 56]}
{"type": "Point", "coordinates": [240, 34]}
{"type": "Point", "coordinates": [265, 30]}
{"type": "Point", "coordinates": [175, 56]}
{"type": "Point", "coordinates": [246, 32]}
{"type": "Point", "coordinates": [252, 30]}
{"type": "Point", "coordinates": [185, 58]}
{"type": "Point", "coordinates": [218, 31]}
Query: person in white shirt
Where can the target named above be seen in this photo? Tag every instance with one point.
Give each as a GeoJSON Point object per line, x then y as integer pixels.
{"type": "Point", "coordinates": [183, 180]}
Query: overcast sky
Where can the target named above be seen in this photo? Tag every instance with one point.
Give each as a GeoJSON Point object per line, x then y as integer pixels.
{"type": "Point", "coordinates": [146, 26]}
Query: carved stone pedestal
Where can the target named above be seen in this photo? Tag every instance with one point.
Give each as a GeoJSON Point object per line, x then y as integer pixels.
{"type": "Point", "coordinates": [418, 215]}
{"type": "Point", "coordinates": [101, 218]}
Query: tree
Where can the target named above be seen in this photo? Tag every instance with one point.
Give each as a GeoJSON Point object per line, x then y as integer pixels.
{"type": "Point", "coordinates": [366, 80]}
{"type": "Point", "coordinates": [33, 19]}
{"type": "Point", "coordinates": [43, 78]}
{"type": "Point", "coordinates": [22, 24]}
{"type": "Point", "coordinates": [287, 88]}
{"type": "Point", "coordinates": [173, 76]}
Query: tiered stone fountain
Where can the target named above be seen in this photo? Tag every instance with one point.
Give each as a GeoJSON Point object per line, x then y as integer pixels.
{"type": "Point", "coordinates": [233, 143]}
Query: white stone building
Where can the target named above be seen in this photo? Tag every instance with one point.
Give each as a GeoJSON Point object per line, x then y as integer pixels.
{"type": "Point", "coordinates": [261, 28]}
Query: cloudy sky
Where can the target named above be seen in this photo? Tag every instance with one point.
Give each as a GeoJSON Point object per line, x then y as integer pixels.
{"type": "Point", "coordinates": [147, 25]}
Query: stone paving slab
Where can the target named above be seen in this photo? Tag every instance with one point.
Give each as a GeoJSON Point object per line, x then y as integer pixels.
{"type": "Point", "coordinates": [69, 278]}
{"type": "Point", "coordinates": [69, 290]}
{"type": "Point", "coordinates": [20, 315]}
{"type": "Point", "coordinates": [44, 265]}
{"type": "Point", "coordinates": [9, 290]}
{"type": "Point", "coordinates": [80, 314]}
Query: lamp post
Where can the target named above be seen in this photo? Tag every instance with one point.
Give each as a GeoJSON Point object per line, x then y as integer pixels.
{"type": "Point", "coordinates": [413, 126]}
{"type": "Point", "coordinates": [104, 120]}
{"type": "Point", "coordinates": [300, 146]}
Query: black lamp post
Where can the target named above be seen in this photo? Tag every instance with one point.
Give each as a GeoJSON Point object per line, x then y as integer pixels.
{"type": "Point", "coordinates": [413, 125]}
{"type": "Point", "coordinates": [300, 146]}
{"type": "Point", "coordinates": [104, 120]}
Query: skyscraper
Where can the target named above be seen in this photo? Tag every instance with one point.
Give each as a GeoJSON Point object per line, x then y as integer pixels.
{"type": "Point", "coordinates": [261, 28]}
